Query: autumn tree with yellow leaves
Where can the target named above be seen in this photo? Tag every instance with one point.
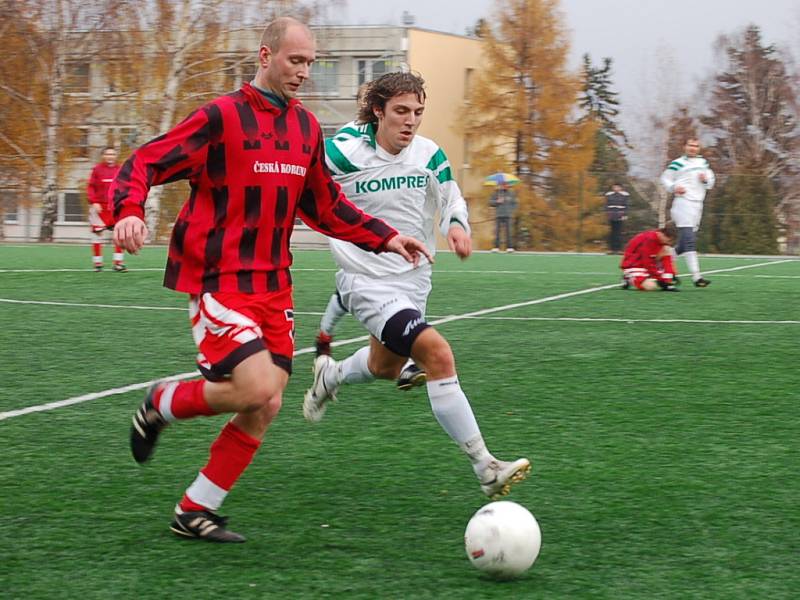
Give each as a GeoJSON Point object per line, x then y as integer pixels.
{"type": "Point", "coordinates": [522, 116]}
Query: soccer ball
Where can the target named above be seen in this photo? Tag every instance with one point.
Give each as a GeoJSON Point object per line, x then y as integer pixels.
{"type": "Point", "coordinates": [503, 539]}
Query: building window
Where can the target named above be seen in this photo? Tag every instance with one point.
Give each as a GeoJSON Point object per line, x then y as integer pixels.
{"type": "Point", "coordinates": [372, 68]}
{"type": "Point", "coordinates": [8, 206]}
{"type": "Point", "coordinates": [78, 142]}
{"type": "Point", "coordinates": [76, 78]}
{"type": "Point", "coordinates": [324, 78]}
{"type": "Point", "coordinates": [468, 75]}
{"type": "Point", "coordinates": [73, 208]}
{"type": "Point", "coordinates": [124, 140]}
{"type": "Point", "coordinates": [118, 77]}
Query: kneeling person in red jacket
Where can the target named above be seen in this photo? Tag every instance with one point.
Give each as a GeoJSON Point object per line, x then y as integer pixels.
{"type": "Point", "coordinates": [648, 260]}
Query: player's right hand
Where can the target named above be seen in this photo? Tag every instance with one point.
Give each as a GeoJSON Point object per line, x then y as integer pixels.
{"type": "Point", "coordinates": [409, 248]}
{"type": "Point", "coordinates": [680, 190]}
{"type": "Point", "coordinates": [130, 233]}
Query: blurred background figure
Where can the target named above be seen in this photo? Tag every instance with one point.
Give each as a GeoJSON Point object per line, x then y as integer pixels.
{"type": "Point", "coordinates": [101, 218]}
{"type": "Point", "coordinates": [647, 264]}
{"type": "Point", "coordinates": [616, 212]}
{"type": "Point", "coordinates": [504, 202]}
{"type": "Point", "coordinates": [688, 178]}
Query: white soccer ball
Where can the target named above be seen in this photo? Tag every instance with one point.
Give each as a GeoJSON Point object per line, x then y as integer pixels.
{"type": "Point", "coordinates": [503, 539]}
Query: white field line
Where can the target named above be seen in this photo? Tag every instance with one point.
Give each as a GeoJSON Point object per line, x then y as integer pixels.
{"type": "Point", "coordinates": [87, 305]}
{"type": "Point", "coordinates": [477, 313]}
{"type": "Point", "coordinates": [610, 320]}
{"type": "Point", "coordinates": [760, 276]}
{"type": "Point", "coordinates": [441, 318]}
{"type": "Point", "coordinates": [86, 270]}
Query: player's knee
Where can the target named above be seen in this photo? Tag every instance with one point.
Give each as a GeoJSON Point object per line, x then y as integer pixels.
{"type": "Point", "coordinates": [259, 420]}
{"type": "Point", "coordinates": [433, 351]}
{"type": "Point", "coordinates": [259, 394]}
{"type": "Point", "coordinates": [648, 285]}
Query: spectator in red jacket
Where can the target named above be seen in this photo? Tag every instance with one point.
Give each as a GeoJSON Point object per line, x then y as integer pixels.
{"type": "Point", "coordinates": [101, 218]}
{"type": "Point", "coordinates": [255, 160]}
{"type": "Point", "coordinates": [648, 262]}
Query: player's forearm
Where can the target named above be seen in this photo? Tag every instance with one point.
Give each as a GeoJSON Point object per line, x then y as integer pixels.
{"type": "Point", "coordinates": [667, 180]}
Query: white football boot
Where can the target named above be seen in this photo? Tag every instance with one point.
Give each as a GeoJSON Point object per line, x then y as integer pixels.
{"type": "Point", "coordinates": [499, 475]}
{"type": "Point", "coordinates": [316, 399]}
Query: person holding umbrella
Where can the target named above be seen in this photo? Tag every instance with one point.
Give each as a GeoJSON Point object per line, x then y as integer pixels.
{"type": "Point", "coordinates": [504, 202]}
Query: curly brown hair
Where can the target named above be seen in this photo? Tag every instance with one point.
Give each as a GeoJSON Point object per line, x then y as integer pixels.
{"type": "Point", "coordinates": [377, 93]}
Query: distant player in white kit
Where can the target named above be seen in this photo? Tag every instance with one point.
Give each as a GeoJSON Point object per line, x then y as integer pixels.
{"type": "Point", "coordinates": [386, 168]}
{"type": "Point", "coordinates": [688, 178]}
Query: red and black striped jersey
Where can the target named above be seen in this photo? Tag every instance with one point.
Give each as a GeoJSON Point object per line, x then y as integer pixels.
{"type": "Point", "coordinates": [252, 168]}
{"type": "Point", "coordinates": [641, 252]}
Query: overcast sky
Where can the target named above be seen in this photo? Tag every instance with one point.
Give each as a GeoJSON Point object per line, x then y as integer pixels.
{"type": "Point", "coordinates": [637, 34]}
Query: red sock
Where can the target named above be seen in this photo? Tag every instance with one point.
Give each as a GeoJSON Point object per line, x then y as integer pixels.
{"type": "Point", "coordinates": [97, 254]}
{"type": "Point", "coordinates": [230, 455]}
{"type": "Point", "coordinates": [668, 264]}
{"type": "Point", "coordinates": [182, 400]}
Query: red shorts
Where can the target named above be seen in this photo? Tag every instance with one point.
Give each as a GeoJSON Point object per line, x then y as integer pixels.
{"type": "Point", "coordinates": [636, 277]}
{"type": "Point", "coordinates": [100, 221]}
{"type": "Point", "coordinates": [229, 327]}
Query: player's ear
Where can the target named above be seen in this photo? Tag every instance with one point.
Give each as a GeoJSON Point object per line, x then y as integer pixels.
{"type": "Point", "coordinates": [264, 54]}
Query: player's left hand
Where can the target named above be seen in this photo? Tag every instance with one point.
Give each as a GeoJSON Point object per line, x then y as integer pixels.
{"type": "Point", "coordinates": [409, 248]}
{"type": "Point", "coordinates": [703, 178]}
{"type": "Point", "coordinates": [459, 241]}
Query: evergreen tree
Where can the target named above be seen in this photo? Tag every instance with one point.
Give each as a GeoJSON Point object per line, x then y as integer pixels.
{"type": "Point", "coordinates": [599, 100]}
{"type": "Point", "coordinates": [600, 104]}
{"type": "Point", "coordinates": [743, 216]}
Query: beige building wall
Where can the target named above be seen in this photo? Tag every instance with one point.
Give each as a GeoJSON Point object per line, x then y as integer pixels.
{"type": "Point", "coordinates": [447, 63]}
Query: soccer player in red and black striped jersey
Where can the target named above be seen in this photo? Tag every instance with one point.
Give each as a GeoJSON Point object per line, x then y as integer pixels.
{"type": "Point", "coordinates": [648, 262]}
{"type": "Point", "coordinates": [255, 160]}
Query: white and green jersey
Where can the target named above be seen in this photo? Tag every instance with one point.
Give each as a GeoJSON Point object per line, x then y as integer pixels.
{"type": "Point", "coordinates": [687, 208]}
{"type": "Point", "coordinates": [406, 190]}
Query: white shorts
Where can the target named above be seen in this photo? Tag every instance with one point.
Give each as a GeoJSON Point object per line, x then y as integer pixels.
{"type": "Point", "coordinates": [686, 213]}
{"type": "Point", "coordinates": [374, 300]}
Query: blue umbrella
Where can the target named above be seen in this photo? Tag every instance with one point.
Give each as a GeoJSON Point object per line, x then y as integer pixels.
{"type": "Point", "coordinates": [496, 179]}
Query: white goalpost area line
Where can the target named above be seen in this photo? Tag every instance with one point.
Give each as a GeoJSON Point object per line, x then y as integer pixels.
{"type": "Point", "coordinates": [478, 313]}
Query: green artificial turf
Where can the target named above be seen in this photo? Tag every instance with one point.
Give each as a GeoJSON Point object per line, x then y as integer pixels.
{"type": "Point", "coordinates": [662, 429]}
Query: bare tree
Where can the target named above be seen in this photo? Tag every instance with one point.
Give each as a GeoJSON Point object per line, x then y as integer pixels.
{"type": "Point", "coordinates": [185, 47]}
{"type": "Point", "coordinates": [58, 39]}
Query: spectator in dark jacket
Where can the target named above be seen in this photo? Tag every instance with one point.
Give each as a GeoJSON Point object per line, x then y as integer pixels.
{"type": "Point", "coordinates": [616, 212]}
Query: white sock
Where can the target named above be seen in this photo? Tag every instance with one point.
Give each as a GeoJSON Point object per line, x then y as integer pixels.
{"type": "Point", "coordinates": [333, 314]}
{"type": "Point", "coordinates": [352, 369]}
{"type": "Point", "coordinates": [693, 264]}
{"type": "Point", "coordinates": [453, 412]}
